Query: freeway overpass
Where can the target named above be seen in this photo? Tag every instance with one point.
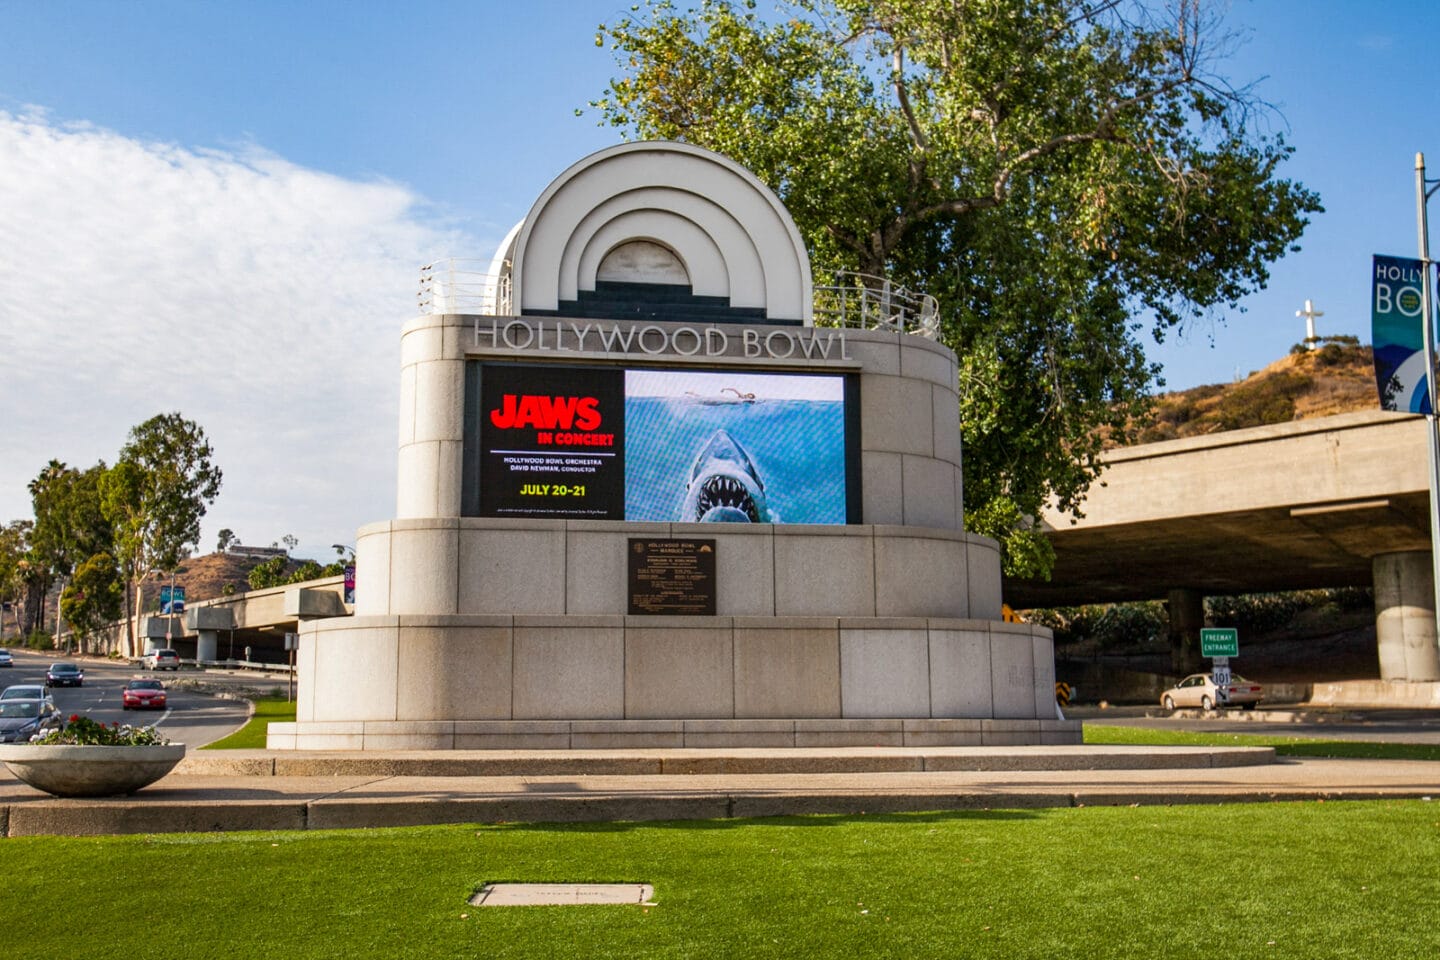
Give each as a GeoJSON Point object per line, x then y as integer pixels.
{"type": "Point", "coordinates": [224, 627]}
{"type": "Point", "coordinates": [1328, 502]}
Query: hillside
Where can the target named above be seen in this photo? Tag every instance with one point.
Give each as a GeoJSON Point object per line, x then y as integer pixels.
{"type": "Point", "coordinates": [206, 577]}
{"type": "Point", "coordinates": [1337, 378]}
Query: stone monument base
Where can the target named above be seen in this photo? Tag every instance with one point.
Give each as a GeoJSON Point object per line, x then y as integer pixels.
{"type": "Point", "coordinates": [567, 682]}
{"type": "Point", "coordinates": [665, 734]}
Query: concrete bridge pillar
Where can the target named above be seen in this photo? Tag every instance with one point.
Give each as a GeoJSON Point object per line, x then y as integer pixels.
{"type": "Point", "coordinates": [1405, 616]}
{"type": "Point", "coordinates": [205, 647]}
{"type": "Point", "coordinates": [1185, 608]}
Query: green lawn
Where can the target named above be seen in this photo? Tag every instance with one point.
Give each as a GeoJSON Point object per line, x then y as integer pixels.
{"type": "Point", "coordinates": [1301, 880]}
{"type": "Point", "coordinates": [1100, 733]}
{"type": "Point", "coordinates": [252, 735]}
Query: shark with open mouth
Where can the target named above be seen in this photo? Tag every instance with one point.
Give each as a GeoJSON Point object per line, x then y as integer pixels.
{"type": "Point", "coordinates": [724, 485]}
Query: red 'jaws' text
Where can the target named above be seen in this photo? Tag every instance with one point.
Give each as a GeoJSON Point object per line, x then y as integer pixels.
{"type": "Point", "coordinates": [547, 413]}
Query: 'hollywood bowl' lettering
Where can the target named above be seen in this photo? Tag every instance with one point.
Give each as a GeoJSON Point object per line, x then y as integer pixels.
{"type": "Point", "coordinates": [653, 339]}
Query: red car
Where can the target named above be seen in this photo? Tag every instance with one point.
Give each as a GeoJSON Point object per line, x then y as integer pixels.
{"type": "Point", "coordinates": [139, 694]}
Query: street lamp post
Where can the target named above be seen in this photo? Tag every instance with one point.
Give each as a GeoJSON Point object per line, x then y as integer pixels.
{"type": "Point", "coordinates": [170, 624]}
{"type": "Point", "coordinates": [1423, 191]}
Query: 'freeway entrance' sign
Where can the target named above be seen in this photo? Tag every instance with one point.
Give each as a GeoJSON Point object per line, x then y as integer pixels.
{"type": "Point", "coordinates": [1219, 642]}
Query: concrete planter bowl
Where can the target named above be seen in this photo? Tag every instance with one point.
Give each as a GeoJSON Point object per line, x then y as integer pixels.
{"type": "Point", "coordinates": [68, 770]}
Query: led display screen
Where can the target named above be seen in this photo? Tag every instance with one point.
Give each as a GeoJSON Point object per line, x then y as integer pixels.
{"type": "Point", "coordinates": [642, 444]}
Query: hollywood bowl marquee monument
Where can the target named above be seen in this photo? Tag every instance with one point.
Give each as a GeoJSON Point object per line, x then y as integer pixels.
{"type": "Point", "coordinates": [644, 501]}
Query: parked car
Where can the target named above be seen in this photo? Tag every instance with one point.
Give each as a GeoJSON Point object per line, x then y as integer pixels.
{"type": "Point", "coordinates": [25, 691]}
{"type": "Point", "coordinates": [162, 660]}
{"type": "Point", "coordinates": [1199, 690]}
{"type": "Point", "coordinates": [5, 659]}
{"type": "Point", "coordinates": [22, 719]}
{"type": "Point", "coordinates": [64, 675]}
{"type": "Point", "coordinates": [141, 693]}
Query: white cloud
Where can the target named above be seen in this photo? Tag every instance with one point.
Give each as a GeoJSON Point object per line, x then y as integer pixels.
{"type": "Point", "coordinates": [258, 298]}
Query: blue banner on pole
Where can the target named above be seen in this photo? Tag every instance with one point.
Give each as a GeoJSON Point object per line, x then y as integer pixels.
{"type": "Point", "coordinates": [1396, 331]}
{"type": "Point", "coordinates": [172, 600]}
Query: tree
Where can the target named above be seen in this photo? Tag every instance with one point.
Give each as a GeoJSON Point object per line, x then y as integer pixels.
{"type": "Point", "coordinates": [70, 525]}
{"type": "Point", "coordinates": [94, 596]}
{"type": "Point", "coordinates": [156, 496]}
{"type": "Point", "coordinates": [14, 545]}
{"type": "Point", "coordinates": [227, 537]}
{"type": "Point", "coordinates": [1050, 170]}
{"type": "Point", "coordinates": [268, 573]}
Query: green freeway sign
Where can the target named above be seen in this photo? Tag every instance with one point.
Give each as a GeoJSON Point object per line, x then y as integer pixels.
{"type": "Point", "coordinates": [1219, 642]}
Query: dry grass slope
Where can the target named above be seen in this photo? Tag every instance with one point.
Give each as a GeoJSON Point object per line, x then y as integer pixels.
{"type": "Point", "coordinates": [1337, 378]}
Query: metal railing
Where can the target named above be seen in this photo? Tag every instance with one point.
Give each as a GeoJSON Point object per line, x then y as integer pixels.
{"type": "Point", "coordinates": [855, 300]}
{"type": "Point", "coordinates": [464, 286]}
{"type": "Point", "coordinates": [875, 303]}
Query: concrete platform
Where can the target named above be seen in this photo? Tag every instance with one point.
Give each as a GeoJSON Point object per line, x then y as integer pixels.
{"type": "Point", "coordinates": [256, 790]}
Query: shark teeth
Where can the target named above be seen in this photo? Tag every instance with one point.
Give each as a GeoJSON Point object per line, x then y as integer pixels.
{"type": "Point", "coordinates": [723, 491]}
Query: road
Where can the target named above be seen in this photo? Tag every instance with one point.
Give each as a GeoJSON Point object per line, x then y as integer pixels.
{"type": "Point", "coordinates": [1373, 725]}
{"type": "Point", "coordinates": [191, 718]}
{"type": "Point", "coordinates": [195, 718]}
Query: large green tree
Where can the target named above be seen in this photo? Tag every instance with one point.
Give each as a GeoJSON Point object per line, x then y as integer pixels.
{"type": "Point", "coordinates": [94, 596]}
{"type": "Point", "coordinates": [69, 525]}
{"type": "Point", "coordinates": [156, 495]}
{"type": "Point", "coordinates": [1058, 173]}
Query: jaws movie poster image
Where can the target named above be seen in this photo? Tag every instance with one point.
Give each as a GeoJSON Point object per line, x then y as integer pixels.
{"type": "Point", "coordinates": [665, 445]}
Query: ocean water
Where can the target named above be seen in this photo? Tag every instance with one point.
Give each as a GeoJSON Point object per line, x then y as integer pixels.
{"type": "Point", "coordinates": [796, 446]}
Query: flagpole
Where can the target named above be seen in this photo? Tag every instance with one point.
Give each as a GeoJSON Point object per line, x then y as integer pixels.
{"type": "Point", "coordinates": [1428, 325]}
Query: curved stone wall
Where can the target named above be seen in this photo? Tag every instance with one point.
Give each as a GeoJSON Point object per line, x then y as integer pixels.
{"type": "Point", "coordinates": [476, 567]}
{"type": "Point", "coordinates": [525, 681]}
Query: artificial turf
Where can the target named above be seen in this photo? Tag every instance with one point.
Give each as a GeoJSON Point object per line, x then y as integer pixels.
{"type": "Point", "coordinates": [1302, 880]}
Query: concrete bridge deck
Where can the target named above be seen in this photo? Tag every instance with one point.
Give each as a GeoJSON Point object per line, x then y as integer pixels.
{"type": "Point", "coordinates": [1329, 502]}
{"type": "Point", "coordinates": [1286, 507]}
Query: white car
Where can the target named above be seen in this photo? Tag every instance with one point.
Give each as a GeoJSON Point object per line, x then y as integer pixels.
{"type": "Point", "coordinates": [5, 659]}
{"type": "Point", "coordinates": [162, 660]}
{"type": "Point", "coordinates": [1199, 690]}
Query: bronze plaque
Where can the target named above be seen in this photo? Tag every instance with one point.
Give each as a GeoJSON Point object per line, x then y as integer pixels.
{"type": "Point", "coordinates": [672, 577]}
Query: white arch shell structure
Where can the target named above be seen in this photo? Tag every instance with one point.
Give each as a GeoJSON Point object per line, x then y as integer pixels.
{"type": "Point", "coordinates": [728, 231]}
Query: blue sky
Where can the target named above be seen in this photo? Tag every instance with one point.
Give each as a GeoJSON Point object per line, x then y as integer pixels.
{"type": "Point", "coordinates": [220, 208]}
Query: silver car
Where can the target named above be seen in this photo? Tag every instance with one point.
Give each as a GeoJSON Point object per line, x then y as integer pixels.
{"type": "Point", "coordinates": [26, 691]}
{"type": "Point", "coordinates": [22, 719]}
{"type": "Point", "coordinates": [1199, 690]}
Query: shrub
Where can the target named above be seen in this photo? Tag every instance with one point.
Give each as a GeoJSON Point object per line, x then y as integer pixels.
{"type": "Point", "coordinates": [270, 573]}
{"type": "Point", "coordinates": [1264, 402]}
{"type": "Point", "coordinates": [1109, 625]}
{"type": "Point", "coordinates": [1351, 599]}
{"type": "Point", "coordinates": [309, 570]}
{"type": "Point", "coordinates": [1131, 624]}
{"type": "Point", "coordinates": [1255, 612]}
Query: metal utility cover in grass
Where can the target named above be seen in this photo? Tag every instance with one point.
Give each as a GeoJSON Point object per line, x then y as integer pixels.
{"type": "Point", "coordinates": [561, 894]}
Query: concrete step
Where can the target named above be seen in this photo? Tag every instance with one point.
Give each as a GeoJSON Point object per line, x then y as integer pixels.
{"type": "Point", "coordinates": [709, 762]}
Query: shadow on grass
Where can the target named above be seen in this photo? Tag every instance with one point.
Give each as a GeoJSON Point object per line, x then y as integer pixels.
{"type": "Point", "coordinates": [795, 820]}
